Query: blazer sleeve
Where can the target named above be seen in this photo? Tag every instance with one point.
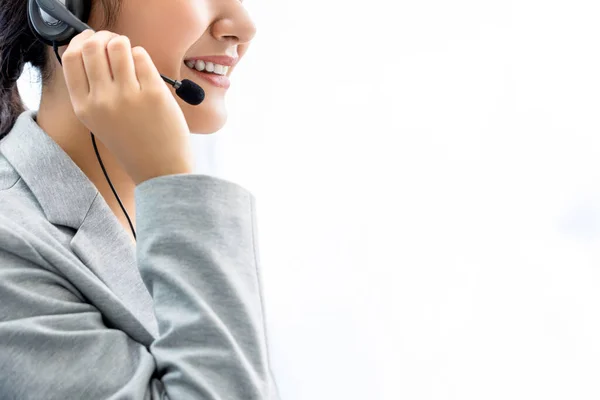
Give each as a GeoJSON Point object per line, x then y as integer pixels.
{"type": "Point", "coordinates": [197, 255]}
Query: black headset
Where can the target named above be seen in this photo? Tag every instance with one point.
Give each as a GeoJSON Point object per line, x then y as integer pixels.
{"type": "Point", "coordinates": [66, 23]}
{"type": "Point", "coordinates": [51, 30]}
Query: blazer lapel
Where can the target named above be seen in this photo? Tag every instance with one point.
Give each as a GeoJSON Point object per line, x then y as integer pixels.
{"type": "Point", "coordinates": [105, 248]}
{"type": "Point", "coordinates": [70, 199]}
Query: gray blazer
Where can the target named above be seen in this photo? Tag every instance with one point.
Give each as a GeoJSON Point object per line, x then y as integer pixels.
{"type": "Point", "coordinates": [87, 314]}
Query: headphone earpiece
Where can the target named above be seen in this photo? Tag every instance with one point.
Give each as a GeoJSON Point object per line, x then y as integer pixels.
{"type": "Point", "coordinates": [49, 30]}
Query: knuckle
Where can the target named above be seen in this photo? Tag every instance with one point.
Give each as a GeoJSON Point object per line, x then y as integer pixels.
{"type": "Point", "coordinates": [87, 33]}
{"type": "Point", "coordinates": [119, 43]}
{"type": "Point", "coordinates": [83, 35]}
{"type": "Point", "coordinates": [70, 55]}
{"type": "Point", "coordinates": [91, 45]}
{"type": "Point", "coordinates": [97, 41]}
{"type": "Point", "coordinates": [138, 52]}
{"type": "Point", "coordinates": [105, 34]}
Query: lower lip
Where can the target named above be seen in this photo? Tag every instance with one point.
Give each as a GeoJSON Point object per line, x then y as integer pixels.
{"type": "Point", "coordinates": [221, 81]}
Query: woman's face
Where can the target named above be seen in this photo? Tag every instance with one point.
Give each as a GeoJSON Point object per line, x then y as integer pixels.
{"type": "Point", "coordinates": [173, 31]}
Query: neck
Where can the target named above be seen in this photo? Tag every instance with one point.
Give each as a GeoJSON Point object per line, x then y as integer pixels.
{"type": "Point", "coordinates": [57, 118]}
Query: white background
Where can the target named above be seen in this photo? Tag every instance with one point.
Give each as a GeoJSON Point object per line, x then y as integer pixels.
{"type": "Point", "coordinates": [427, 176]}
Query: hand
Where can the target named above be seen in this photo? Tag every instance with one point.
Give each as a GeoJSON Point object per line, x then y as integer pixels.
{"type": "Point", "coordinates": [117, 93]}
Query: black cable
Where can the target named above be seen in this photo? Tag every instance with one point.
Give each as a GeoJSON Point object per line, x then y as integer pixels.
{"type": "Point", "coordinates": [55, 47]}
{"type": "Point", "coordinates": [111, 186]}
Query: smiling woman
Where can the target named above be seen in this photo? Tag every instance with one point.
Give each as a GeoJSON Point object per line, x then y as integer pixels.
{"type": "Point", "coordinates": [87, 310]}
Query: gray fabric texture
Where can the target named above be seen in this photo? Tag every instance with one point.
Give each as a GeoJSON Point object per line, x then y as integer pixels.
{"type": "Point", "coordinates": [87, 314]}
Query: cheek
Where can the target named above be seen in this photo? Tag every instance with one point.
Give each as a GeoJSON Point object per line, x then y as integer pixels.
{"type": "Point", "coordinates": [188, 22]}
{"type": "Point", "coordinates": [168, 35]}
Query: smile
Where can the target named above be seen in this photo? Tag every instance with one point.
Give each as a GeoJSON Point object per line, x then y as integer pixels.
{"type": "Point", "coordinates": [216, 79]}
{"type": "Point", "coordinates": [207, 66]}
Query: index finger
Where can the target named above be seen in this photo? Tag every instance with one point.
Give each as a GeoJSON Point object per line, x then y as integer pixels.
{"type": "Point", "coordinates": [76, 41]}
{"type": "Point", "coordinates": [74, 68]}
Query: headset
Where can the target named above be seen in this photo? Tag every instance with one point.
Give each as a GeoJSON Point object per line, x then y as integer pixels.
{"type": "Point", "coordinates": [57, 22]}
{"type": "Point", "coordinates": [51, 30]}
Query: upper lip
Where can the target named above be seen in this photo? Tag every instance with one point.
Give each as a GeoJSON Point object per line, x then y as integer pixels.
{"type": "Point", "coordinates": [222, 60]}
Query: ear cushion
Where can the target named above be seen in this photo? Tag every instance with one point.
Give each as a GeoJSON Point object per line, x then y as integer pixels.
{"type": "Point", "coordinates": [58, 32]}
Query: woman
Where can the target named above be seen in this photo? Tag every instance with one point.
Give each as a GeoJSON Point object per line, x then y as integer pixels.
{"type": "Point", "coordinates": [86, 311]}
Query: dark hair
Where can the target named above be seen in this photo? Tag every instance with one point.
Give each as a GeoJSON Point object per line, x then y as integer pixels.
{"type": "Point", "coordinates": [18, 46]}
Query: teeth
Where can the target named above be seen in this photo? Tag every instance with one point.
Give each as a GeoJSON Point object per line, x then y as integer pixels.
{"type": "Point", "coordinates": [207, 66]}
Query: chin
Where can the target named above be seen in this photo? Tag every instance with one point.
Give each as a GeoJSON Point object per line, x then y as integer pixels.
{"type": "Point", "coordinates": [208, 117]}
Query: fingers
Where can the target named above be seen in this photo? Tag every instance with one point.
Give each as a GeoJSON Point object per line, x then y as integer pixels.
{"type": "Point", "coordinates": [74, 69]}
{"type": "Point", "coordinates": [146, 71]}
{"type": "Point", "coordinates": [95, 59]}
{"type": "Point", "coordinates": [121, 62]}
{"type": "Point", "coordinates": [98, 61]}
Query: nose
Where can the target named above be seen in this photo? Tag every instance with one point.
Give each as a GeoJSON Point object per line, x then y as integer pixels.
{"type": "Point", "coordinates": [234, 25]}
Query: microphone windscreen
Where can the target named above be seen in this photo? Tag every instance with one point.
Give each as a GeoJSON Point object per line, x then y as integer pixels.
{"type": "Point", "coordinates": [190, 92]}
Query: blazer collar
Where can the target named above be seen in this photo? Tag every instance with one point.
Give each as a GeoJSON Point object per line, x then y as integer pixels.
{"type": "Point", "coordinates": [64, 192]}
{"type": "Point", "coordinates": [69, 198]}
